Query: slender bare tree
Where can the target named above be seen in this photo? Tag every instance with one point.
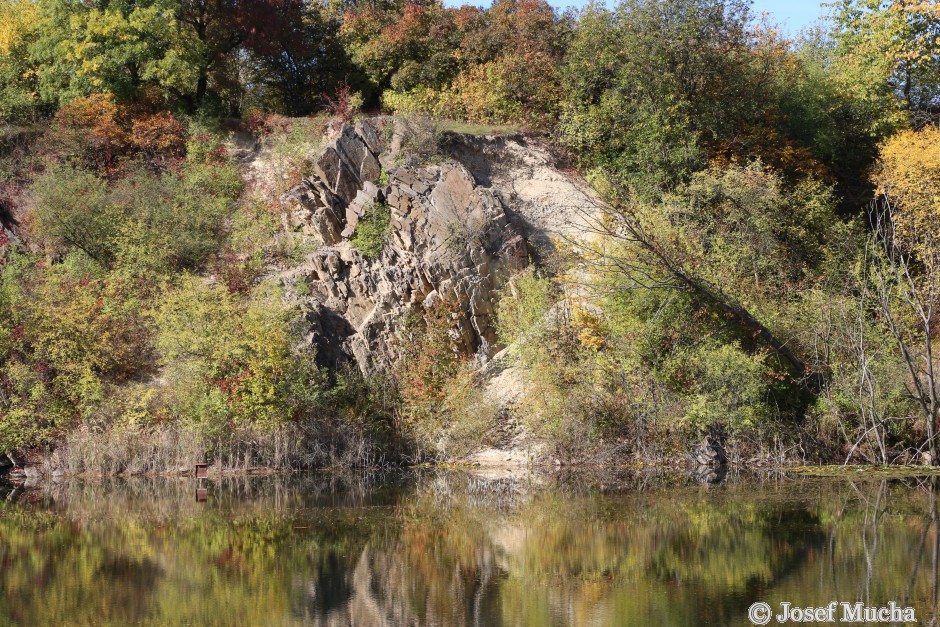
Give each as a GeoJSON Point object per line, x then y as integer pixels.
{"type": "Point", "coordinates": [904, 274]}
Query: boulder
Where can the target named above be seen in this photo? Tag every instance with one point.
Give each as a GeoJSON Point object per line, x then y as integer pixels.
{"type": "Point", "coordinates": [710, 453]}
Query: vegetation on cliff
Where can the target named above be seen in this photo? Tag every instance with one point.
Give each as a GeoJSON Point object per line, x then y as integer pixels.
{"type": "Point", "coordinates": [762, 267]}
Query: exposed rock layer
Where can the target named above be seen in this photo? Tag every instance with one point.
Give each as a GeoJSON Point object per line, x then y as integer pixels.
{"type": "Point", "coordinates": [457, 230]}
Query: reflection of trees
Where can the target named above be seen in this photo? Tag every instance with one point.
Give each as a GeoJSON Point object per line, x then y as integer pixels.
{"type": "Point", "coordinates": [447, 548]}
{"type": "Point", "coordinates": [877, 549]}
{"type": "Point", "coordinates": [930, 486]}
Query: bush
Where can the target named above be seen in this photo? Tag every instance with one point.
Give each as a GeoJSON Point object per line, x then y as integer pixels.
{"type": "Point", "coordinates": [725, 388]}
{"type": "Point", "coordinates": [444, 413]}
{"type": "Point", "coordinates": [91, 132]}
{"type": "Point", "coordinates": [72, 210]}
{"type": "Point", "coordinates": [372, 230]}
{"type": "Point", "coordinates": [144, 222]}
{"type": "Point", "coordinates": [420, 139]}
{"type": "Point", "coordinates": [97, 133]}
{"type": "Point", "coordinates": [68, 335]}
{"type": "Point", "coordinates": [159, 139]}
{"type": "Point", "coordinates": [232, 361]}
{"type": "Point", "coordinates": [289, 145]}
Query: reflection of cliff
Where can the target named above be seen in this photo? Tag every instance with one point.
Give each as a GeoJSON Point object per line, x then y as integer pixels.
{"type": "Point", "coordinates": [411, 583]}
{"type": "Point", "coordinates": [556, 558]}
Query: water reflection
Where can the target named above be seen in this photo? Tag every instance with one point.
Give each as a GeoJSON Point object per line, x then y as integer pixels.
{"type": "Point", "coordinates": [451, 548]}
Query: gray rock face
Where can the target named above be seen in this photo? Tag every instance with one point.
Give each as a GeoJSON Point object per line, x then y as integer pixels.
{"type": "Point", "coordinates": [710, 453]}
{"type": "Point", "coordinates": [449, 241]}
{"type": "Point", "coordinates": [546, 204]}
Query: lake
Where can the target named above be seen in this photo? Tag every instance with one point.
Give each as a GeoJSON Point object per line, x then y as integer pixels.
{"type": "Point", "coordinates": [436, 547]}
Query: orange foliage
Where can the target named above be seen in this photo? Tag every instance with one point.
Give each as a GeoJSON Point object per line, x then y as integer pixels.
{"type": "Point", "coordinates": [431, 360]}
{"type": "Point", "coordinates": [91, 130]}
{"type": "Point", "coordinates": [773, 148]}
{"type": "Point", "coordinates": [98, 133]}
{"type": "Point", "coordinates": [159, 137]}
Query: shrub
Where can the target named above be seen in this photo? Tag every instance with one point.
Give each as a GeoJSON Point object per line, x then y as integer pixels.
{"type": "Point", "coordinates": [443, 410]}
{"type": "Point", "coordinates": [91, 131]}
{"type": "Point", "coordinates": [420, 139]}
{"type": "Point", "coordinates": [514, 88]}
{"type": "Point", "coordinates": [726, 388]}
{"type": "Point", "coordinates": [72, 210]}
{"type": "Point", "coordinates": [523, 307]}
{"type": "Point", "coordinates": [145, 221]}
{"type": "Point", "coordinates": [344, 103]}
{"type": "Point", "coordinates": [67, 336]}
{"type": "Point", "coordinates": [289, 145]}
{"type": "Point", "coordinates": [159, 139]}
{"type": "Point", "coordinates": [232, 361]}
{"type": "Point", "coordinates": [372, 230]}
{"type": "Point", "coordinates": [909, 175]}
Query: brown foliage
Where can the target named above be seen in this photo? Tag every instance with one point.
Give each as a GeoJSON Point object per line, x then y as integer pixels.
{"type": "Point", "coordinates": [97, 133]}
{"type": "Point", "coordinates": [159, 138]}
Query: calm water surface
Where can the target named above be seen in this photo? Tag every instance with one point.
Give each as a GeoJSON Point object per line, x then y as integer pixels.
{"type": "Point", "coordinates": [453, 548]}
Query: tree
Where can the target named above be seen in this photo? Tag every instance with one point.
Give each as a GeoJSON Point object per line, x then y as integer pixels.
{"type": "Point", "coordinates": [644, 84]}
{"type": "Point", "coordinates": [293, 65]}
{"type": "Point", "coordinates": [908, 176]}
{"type": "Point", "coordinates": [403, 45]}
{"type": "Point", "coordinates": [115, 47]}
{"type": "Point", "coordinates": [737, 240]}
{"type": "Point", "coordinates": [169, 52]}
{"type": "Point", "coordinates": [906, 287]}
{"type": "Point", "coordinates": [18, 89]}
{"type": "Point", "coordinates": [890, 46]}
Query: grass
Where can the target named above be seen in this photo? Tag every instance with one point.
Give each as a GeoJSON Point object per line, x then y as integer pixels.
{"type": "Point", "coordinates": [872, 471]}
{"type": "Point", "coordinates": [470, 128]}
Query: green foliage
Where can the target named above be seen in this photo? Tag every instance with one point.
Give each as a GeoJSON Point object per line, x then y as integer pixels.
{"type": "Point", "coordinates": [727, 386]}
{"type": "Point", "coordinates": [734, 291]}
{"type": "Point", "coordinates": [640, 91]}
{"type": "Point", "coordinates": [18, 30]}
{"type": "Point", "coordinates": [747, 231]}
{"type": "Point", "coordinates": [522, 309]}
{"type": "Point", "coordinates": [652, 101]}
{"type": "Point", "coordinates": [68, 335]}
{"type": "Point", "coordinates": [887, 54]}
{"type": "Point", "coordinates": [372, 230]}
{"type": "Point", "coordinates": [145, 221]}
{"type": "Point", "coordinates": [497, 65]}
{"type": "Point", "coordinates": [232, 362]}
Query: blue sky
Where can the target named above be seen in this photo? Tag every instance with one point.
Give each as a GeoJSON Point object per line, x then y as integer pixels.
{"type": "Point", "coordinates": [792, 15]}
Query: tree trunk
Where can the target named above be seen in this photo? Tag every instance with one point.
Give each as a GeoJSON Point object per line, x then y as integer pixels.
{"type": "Point", "coordinates": [202, 85]}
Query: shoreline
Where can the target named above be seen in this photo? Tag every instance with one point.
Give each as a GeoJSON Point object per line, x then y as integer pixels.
{"type": "Point", "coordinates": [867, 471]}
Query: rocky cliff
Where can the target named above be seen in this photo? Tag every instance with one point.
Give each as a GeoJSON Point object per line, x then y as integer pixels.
{"type": "Point", "coordinates": [459, 223]}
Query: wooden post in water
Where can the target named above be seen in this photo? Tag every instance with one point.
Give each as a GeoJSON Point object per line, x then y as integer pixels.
{"type": "Point", "coordinates": [202, 472]}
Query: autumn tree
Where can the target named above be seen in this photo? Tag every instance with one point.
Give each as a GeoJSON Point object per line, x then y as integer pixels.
{"type": "Point", "coordinates": [402, 45]}
{"type": "Point", "coordinates": [18, 89]}
{"type": "Point", "coordinates": [890, 47]}
{"type": "Point", "coordinates": [292, 65]}
{"type": "Point", "coordinates": [908, 176]}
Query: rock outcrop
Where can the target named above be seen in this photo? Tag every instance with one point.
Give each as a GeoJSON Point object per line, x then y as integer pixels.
{"type": "Point", "coordinates": [547, 205]}
{"type": "Point", "coordinates": [449, 241]}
